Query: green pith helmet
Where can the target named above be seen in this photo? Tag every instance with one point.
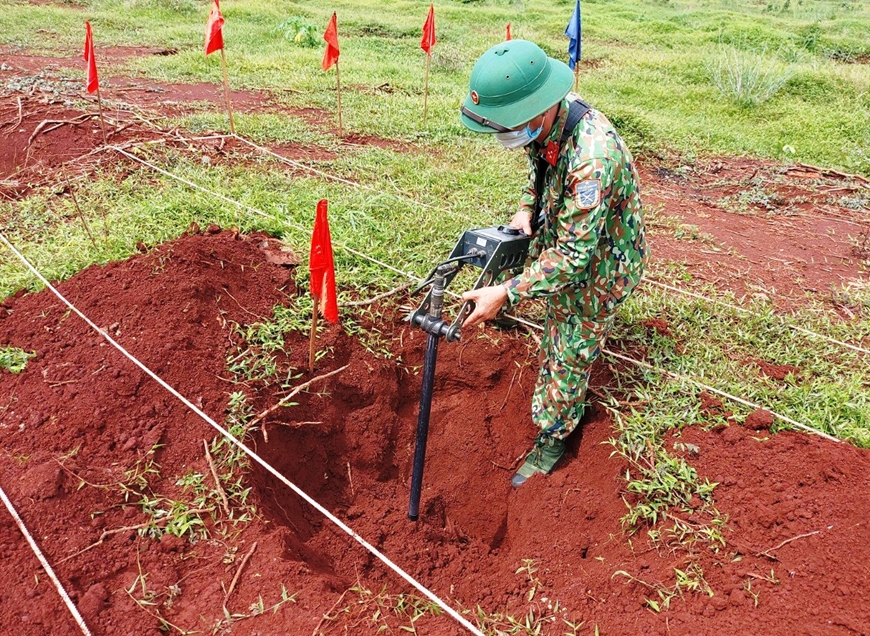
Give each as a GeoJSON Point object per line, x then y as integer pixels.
{"type": "Point", "coordinates": [511, 84]}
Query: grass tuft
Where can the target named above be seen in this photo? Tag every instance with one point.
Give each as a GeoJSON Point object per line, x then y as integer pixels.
{"type": "Point", "coordinates": [748, 79]}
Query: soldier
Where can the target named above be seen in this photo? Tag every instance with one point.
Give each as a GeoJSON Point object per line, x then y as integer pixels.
{"type": "Point", "coordinates": [590, 250]}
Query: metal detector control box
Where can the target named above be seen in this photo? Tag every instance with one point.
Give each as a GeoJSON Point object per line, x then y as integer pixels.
{"type": "Point", "coordinates": [494, 250]}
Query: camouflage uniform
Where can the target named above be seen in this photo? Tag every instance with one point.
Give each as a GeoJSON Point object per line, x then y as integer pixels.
{"type": "Point", "coordinates": [585, 260]}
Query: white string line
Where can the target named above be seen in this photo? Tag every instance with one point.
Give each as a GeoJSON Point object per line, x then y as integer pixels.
{"type": "Point", "coordinates": [679, 376]}
{"type": "Point", "coordinates": [407, 577]}
{"type": "Point", "coordinates": [257, 211]}
{"type": "Point", "coordinates": [753, 313]}
{"type": "Point", "coordinates": [665, 372]}
{"type": "Point", "coordinates": [327, 175]}
{"type": "Point", "coordinates": [57, 584]}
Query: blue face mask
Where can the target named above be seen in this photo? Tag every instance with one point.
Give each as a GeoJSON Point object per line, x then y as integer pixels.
{"type": "Point", "coordinates": [518, 138]}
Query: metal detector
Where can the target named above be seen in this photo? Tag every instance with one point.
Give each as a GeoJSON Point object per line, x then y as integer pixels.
{"type": "Point", "coordinates": [494, 250]}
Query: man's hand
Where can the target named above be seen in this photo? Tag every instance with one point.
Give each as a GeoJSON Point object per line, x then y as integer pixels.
{"type": "Point", "coordinates": [522, 221]}
{"type": "Point", "coordinates": [487, 302]}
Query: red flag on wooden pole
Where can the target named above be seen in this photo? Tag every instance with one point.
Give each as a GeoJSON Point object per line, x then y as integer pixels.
{"type": "Point", "coordinates": [322, 282]}
{"type": "Point", "coordinates": [93, 84]}
{"type": "Point", "coordinates": [426, 44]}
{"type": "Point", "coordinates": [507, 32]}
{"type": "Point", "coordinates": [428, 40]}
{"type": "Point", "coordinates": [214, 41]}
{"type": "Point", "coordinates": [330, 56]}
{"type": "Point", "coordinates": [214, 30]}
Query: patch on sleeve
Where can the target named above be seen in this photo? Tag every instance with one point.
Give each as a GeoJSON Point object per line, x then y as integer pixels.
{"type": "Point", "coordinates": [587, 194]}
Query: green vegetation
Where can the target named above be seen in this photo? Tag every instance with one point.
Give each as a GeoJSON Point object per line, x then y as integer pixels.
{"type": "Point", "coordinates": [695, 76]}
{"type": "Point", "coordinates": [14, 359]}
{"type": "Point", "coordinates": [202, 505]}
{"type": "Point", "coordinates": [680, 78]}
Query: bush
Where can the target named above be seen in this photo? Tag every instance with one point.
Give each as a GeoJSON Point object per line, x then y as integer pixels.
{"type": "Point", "coordinates": [747, 78]}
{"type": "Point", "coordinates": [298, 31]}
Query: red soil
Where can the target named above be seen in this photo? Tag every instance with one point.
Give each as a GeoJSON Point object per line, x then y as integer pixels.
{"type": "Point", "coordinates": [796, 550]}
{"type": "Point", "coordinates": [172, 308]}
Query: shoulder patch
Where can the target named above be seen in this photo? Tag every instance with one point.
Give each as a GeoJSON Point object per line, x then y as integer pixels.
{"type": "Point", "coordinates": [587, 194]}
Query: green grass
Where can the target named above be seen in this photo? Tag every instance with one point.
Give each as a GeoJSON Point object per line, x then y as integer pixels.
{"type": "Point", "coordinates": [659, 69]}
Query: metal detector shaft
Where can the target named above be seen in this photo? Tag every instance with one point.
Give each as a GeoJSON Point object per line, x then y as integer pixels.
{"type": "Point", "coordinates": [423, 426]}
{"type": "Point", "coordinates": [494, 250]}
{"type": "Point", "coordinates": [435, 326]}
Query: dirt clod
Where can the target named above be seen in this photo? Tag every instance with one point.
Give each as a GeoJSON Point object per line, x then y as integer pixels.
{"type": "Point", "coordinates": [759, 420]}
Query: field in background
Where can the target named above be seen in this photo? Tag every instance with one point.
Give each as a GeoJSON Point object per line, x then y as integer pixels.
{"type": "Point", "coordinates": [785, 80]}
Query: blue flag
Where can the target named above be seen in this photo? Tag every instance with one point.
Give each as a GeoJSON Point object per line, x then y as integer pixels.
{"type": "Point", "coordinates": [574, 31]}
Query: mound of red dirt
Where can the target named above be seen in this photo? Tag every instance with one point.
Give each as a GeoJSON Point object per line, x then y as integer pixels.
{"type": "Point", "coordinates": [81, 418]}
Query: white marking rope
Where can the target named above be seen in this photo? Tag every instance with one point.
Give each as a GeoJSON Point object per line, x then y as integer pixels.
{"type": "Point", "coordinates": [57, 584]}
{"type": "Point", "coordinates": [326, 175]}
{"type": "Point", "coordinates": [407, 577]}
{"type": "Point", "coordinates": [753, 313]}
{"type": "Point", "coordinates": [664, 372]}
{"type": "Point", "coordinates": [739, 400]}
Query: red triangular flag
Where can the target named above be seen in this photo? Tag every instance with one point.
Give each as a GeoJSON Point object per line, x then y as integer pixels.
{"type": "Point", "coordinates": [214, 30]}
{"type": "Point", "coordinates": [322, 266]}
{"type": "Point", "coordinates": [508, 31]}
{"type": "Point", "coordinates": [428, 40]}
{"type": "Point", "coordinates": [93, 82]}
{"type": "Point", "coordinates": [330, 57]}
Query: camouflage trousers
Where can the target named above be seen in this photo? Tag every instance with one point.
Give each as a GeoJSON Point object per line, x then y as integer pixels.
{"type": "Point", "coordinates": [569, 346]}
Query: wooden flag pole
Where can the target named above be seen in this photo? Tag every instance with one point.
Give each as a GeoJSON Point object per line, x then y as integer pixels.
{"type": "Point", "coordinates": [313, 336]}
{"type": "Point", "coordinates": [102, 122]}
{"type": "Point", "coordinates": [576, 75]}
{"type": "Point", "coordinates": [227, 91]}
{"type": "Point", "coordinates": [79, 210]}
{"type": "Point", "coordinates": [426, 88]}
{"type": "Point", "coordinates": [338, 97]}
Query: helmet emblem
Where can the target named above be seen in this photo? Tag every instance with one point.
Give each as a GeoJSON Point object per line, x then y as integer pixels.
{"type": "Point", "coordinates": [475, 98]}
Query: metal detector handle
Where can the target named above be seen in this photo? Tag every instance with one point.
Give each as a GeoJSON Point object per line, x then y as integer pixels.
{"type": "Point", "coordinates": [536, 222]}
{"type": "Point", "coordinates": [464, 312]}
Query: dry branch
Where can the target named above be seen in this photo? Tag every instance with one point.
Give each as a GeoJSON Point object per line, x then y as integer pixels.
{"type": "Point", "coordinates": [20, 114]}
{"type": "Point", "coordinates": [833, 173]}
{"type": "Point", "coordinates": [108, 533]}
{"type": "Point", "coordinates": [777, 547]}
{"type": "Point", "coordinates": [58, 123]}
{"type": "Point", "coordinates": [217, 481]}
{"type": "Point", "coordinates": [326, 616]}
{"type": "Point", "coordinates": [290, 395]}
{"type": "Point", "coordinates": [239, 573]}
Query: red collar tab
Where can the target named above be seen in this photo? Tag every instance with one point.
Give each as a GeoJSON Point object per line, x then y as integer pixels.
{"type": "Point", "coordinates": [551, 153]}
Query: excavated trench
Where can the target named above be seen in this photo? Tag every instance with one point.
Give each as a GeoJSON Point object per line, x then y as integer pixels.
{"type": "Point", "coordinates": [351, 448]}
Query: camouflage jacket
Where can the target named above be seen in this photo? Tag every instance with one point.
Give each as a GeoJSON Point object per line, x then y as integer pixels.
{"type": "Point", "coordinates": [591, 250]}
